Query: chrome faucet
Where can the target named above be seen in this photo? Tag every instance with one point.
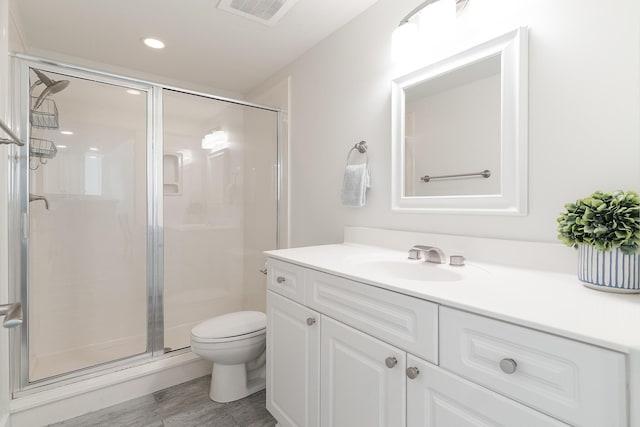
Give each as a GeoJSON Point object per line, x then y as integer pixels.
{"type": "Point", "coordinates": [431, 254]}
{"type": "Point", "coordinates": [33, 197]}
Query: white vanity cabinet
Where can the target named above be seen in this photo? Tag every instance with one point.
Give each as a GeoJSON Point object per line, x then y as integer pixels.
{"type": "Point", "coordinates": [293, 362]}
{"type": "Point", "coordinates": [362, 379]}
{"type": "Point", "coordinates": [342, 353]}
{"type": "Point", "coordinates": [437, 398]}
{"type": "Point", "coordinates": [578, 383]}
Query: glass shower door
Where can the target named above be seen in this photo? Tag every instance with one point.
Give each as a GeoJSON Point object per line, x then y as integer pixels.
{"type": "Point", "coordinates": [87, 244]}
{"type": "Point", "coordinates": [220, 209]}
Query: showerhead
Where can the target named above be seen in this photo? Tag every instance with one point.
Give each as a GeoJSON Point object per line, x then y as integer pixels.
{"type": "Point", "coordinates": [52, 87]}
{"type": "Point", "coordinates": [43, 77]}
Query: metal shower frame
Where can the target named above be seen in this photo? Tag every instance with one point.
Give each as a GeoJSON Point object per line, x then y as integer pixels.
{"type": "Point", "coordinates": [19, 213]}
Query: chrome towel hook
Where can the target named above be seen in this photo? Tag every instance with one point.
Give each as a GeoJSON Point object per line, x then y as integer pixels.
{"type": "Point", "coordinates": [361, 147]}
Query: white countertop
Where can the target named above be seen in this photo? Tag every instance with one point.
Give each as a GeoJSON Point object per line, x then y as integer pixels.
{"type": "Point", "coordinates": [548, 301]}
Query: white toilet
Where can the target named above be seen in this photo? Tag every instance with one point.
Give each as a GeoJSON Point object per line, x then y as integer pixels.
{"type": "Point", "coordinates": [235, 343]}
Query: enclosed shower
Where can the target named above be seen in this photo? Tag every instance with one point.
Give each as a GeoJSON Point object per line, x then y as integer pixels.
{"type": "Point", "coordinates": [143, 210]}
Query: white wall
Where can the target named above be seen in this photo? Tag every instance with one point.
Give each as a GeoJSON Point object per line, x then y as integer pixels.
{"type": "Point", "coordinates": [583, 115]}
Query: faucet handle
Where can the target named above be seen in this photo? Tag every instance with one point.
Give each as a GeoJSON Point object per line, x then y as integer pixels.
{"type": "Point", "coordinates": [35, 197]}
{"type": "Point", "coordinates": [414, 253]}
{"type": "Point", "coordinates": [456, 260]}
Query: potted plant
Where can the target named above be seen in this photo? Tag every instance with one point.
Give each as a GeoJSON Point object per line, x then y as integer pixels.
{"type": "Point", "coordinates": [605, 227]}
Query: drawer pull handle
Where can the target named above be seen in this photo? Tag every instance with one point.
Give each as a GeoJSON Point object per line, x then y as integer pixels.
{"type": "Point", "coordinates": [391, 362]}
{"type": "Point", "coordinates": [508, 366]}
{"type": "Point", "coordinates": [311, 321]}
{"type": "Point", "coordinates": [413, 372]}
{"type": "Point", "coordinates": [280, 279]}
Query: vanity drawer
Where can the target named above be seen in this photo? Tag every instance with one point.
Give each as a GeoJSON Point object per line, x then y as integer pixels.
{"type": "Point", "coordinates": [286, 279]}
{"type": "Point", "coordinates": [575, 382]}
{"type": "Point", "coordinates": [406, 322]}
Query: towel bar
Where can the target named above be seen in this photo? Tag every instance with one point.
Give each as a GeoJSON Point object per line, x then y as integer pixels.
{"type": "Point", "coordinates": [485, 174]}
{"type": "Point", "coordinates": [14, 138]}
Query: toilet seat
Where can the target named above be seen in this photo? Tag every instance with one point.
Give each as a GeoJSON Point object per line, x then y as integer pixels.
{"type": "Point", "coordinates": [227, 339]}
{"type": "Point", "coordinates": [230, 327]}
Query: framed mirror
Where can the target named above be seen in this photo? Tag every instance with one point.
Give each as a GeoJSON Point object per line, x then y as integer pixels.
{"type": "Point", "coordinates": [459, 142]}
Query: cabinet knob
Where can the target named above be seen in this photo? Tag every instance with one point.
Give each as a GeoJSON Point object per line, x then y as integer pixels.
{"type": "Point", "coordinates": [391, 362]}
{"type": "Point", "coordinates": [280, 279]}
{"type": "Point", "coordinates": [311, 321]}
{"type": "Point", "coordinates": [413, 372]}
{"type": "Point", "coordinates": [508, 366]}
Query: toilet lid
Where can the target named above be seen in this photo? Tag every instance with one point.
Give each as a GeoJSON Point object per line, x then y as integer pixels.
{"type": "Point", "coordinates": [231, 325]}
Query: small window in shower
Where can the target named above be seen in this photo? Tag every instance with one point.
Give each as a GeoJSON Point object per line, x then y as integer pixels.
{"type": "Point", "coordinates": [92, 174]}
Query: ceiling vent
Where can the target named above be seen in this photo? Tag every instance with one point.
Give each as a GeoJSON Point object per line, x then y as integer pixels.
{"type": "Point", "coordinates": [267, 12]}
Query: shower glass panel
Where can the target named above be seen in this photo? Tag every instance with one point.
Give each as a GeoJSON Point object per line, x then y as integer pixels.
{"type": "Point", "coordinates": [220, 209]}
{"type": "Point", "coordinates": [87, 260]}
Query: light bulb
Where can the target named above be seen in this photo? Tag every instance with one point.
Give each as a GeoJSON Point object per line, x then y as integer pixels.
{"type": "Point", "coordinates": [404, 42]}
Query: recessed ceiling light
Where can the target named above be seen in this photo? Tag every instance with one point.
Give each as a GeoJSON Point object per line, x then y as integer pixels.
{"type": "Point", "coordinates": [94, 149]}
{"type": "Point", "coordinates": [154, 43]}
{"type": "Point", "coordinates": [61, 146]}
{"type": "Point", "coordinates": [133, 92]}
{"type": "Point", "coordinates": [66, 132]}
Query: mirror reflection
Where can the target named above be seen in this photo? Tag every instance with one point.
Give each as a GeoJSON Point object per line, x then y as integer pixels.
{"type": "Point", "coordinates": [452, 132]}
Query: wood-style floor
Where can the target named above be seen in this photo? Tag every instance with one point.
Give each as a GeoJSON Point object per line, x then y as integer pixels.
{"type": "Point", "coordinates": [184, 405]}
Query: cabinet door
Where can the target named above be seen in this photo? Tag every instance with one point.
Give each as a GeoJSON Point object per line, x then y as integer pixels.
{"type": "Point", "coordinates": [578, 383]}
{"type": "Point", "coordinates": [293, 349]}
{"type": "Point", "coordinates": [362, 379]}
{"type": "Point", "coordinates": [436, 398]}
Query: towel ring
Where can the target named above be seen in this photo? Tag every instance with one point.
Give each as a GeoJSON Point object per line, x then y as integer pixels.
{"type": "Point", "coordinates": [361, 147]}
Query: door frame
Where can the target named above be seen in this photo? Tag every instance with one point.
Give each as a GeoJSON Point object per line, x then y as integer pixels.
{"type": "Point", "coordinates": [5, 384]}
{"type": "Point", "coordinates": [19, 211]}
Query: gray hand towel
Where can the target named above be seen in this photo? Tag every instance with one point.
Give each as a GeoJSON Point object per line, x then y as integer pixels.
{"type": "Point", "coordinates": [354, 185]}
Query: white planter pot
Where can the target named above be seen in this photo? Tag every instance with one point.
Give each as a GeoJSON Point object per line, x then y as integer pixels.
{"type": "Point", "coordinates": [611, 271]}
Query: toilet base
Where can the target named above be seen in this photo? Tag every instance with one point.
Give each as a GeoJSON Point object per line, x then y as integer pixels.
{"type": "Point", "coordinates": [231, 382]}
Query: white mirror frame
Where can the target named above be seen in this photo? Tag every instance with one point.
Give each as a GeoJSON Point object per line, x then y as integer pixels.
{"type": "Point", "coordinates": [512, 200]}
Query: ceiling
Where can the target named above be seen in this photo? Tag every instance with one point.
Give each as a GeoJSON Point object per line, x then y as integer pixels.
{"type": "Point", "coordinates": [205, 46]}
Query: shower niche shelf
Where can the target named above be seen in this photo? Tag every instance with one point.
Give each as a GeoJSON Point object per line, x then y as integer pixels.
{"type": "Point", "coordinates": [172, 172]}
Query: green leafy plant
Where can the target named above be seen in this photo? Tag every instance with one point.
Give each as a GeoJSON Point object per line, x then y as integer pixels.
{"type": "Point", "coordinates": [604, 220]}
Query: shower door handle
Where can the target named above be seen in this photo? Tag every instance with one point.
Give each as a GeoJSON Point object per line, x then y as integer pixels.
{"type": "Point", "coordinates": [12, 314]}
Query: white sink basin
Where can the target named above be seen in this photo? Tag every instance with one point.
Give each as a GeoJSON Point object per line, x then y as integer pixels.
{"type": "Point", "coordinates": [412, 270]}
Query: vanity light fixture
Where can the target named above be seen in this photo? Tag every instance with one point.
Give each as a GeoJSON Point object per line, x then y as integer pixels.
{"type": "Point", "coordinates": [153, 43]}
{"type": "Point", "coordinates": [460, 6]}
{"type": "Point", "coordinates": [405, 38]}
